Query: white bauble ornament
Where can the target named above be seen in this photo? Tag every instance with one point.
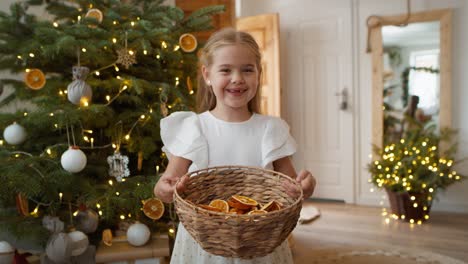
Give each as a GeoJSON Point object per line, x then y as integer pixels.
{"type": "Point", "coordinates": [138, 234]}
{"type": "Point", "coordinates": [7, 252]}
{"type": "Point", "coordinates": [58, 248]}
{"type": "Point", "coordinates": [14, 134]}
{"type": "Point", "coordinates": [52, 223]}
{"type": "Point", "coordinates": [79, 242]}
{"type": "Point", "coordinates": [78, 91]}
{"type": "Point", "coordinates": [73, 160]}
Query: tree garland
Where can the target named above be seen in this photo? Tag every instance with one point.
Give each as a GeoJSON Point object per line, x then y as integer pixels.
{"type": "Point", "coordinates": [405, 79]}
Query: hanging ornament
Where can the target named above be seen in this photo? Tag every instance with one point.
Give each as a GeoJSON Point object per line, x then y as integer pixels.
{"type": "Point", "coordinates": [22, 204]}
{"type": "Point", "coordinates": [118, 163]}
{"type": "Point", "coordinates": [53, 224]}
{"type": "Point", "coordinates": [96, 14]}
{"type": "Point", "coordinates": [118, 166]}
{"type": "Point", "coordinates": [7, 252]}
{"type": "Point", "coordinates": [79, 242]}
{"type": "Point", "coordinates": [59, 248]}
{"type": "Point", "coordinates": [14, 134]}
{"type": "Point", "coordinates": [78, 90]}
{"type": "Point", "coordinates": [86, 220]}
{"type": "Point", "coordinates": [34, 79]}
{"type": "Point", "coordinates": [107, 237]}
{"type": "Point", "coordinates": [138, 234]}
{"type": "Point", "coordinates": [188, 42]}
{"type": "Point", "coordinates": [153, 208]}
{"type": "Point", "coordinates": [125, 56]}
{"type": "Point", "coordinates": [73, 160]}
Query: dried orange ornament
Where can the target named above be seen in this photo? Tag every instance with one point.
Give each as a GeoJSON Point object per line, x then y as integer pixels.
{"type": "Point", "coordinates": [242, 202]}
{"type": "Point", "coordinates": [34, 79]}
{"type": "Point", "coordinates": [107, 237]}
{"type": "Point", "coordinates": [95, 13]}
{"type": "Point", "coordinates": [220, 204]}
{"type": "Point", "coordinates": [188, 42]}
{"type": "Point", "coordinates": [153, 208]}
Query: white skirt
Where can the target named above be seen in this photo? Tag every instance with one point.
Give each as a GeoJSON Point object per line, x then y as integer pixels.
{"type": "Point", "coordinates": [187, 250]}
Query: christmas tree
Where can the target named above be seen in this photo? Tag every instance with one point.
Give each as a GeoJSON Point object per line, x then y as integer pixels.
{"type": "Point", "coordinates": [100, 75]}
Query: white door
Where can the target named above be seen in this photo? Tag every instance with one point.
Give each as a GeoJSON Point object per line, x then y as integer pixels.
{"type": "Point", "coordinates": [320, 69]}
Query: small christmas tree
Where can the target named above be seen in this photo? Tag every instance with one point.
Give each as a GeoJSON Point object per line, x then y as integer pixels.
{"type": "Point", "coordinates": [100, 75]}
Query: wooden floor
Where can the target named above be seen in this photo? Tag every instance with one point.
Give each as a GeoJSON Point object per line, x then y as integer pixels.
{"type": "Point", "coordinates": [341, 225]}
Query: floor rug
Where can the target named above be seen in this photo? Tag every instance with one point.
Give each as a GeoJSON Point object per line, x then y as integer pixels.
{"type": "Point", "coordinates": [380, 256]}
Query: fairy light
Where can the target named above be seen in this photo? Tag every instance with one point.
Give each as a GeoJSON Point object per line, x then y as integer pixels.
{"type": "Point", "coordinates": [142, 117]}
{"type": "Point", "coordinates": [111, 182]}
{"type": "Point", "coordinates": [79, 18]}
{"type": "Point", "coordinates": [164, 44]}
{"type": "Point", "coordinates": [176, 48]}
{"type": "Point", "coordinates": [83, 49]}
{"type": "Point", "coordinates": [117, 193]}
{"type": "Point", "coordinates": [75, 213]}
{"type": "Point", "coordinates": [97, 73]}
{"type": "Point", "coordinates": [31, 55]}
{"type": "Point", "coordinates": [49, 151]}
{"type": "Point", "coordinates": [19, 57]}
{"type": "Point", "coordinates": [114, 40]}
{"type": "Point", "coordinates": [51, 114]}
{"type": "Point", "coordinates": [56, 125]}
{"type": "Point", "coordinates": [114, 23]}
{"type": "Point", "coordinates": [171, 230]}
{"type": "Point", "coordinates": [100, 212]}
{"type": "Point", "coordinates": [116, 68]}
{"type": "Point", "coordinates": [85, 138]}
{"type": "Point", "coordinates": [60, 196]}
{"type": "Point", "coordinates": [114, 146]}
{"type": "Point", "coordinates": [132, 23]}
{"type": "Point", "coordinates": [158, 56]}
{"type": "Point", "coordinates": [55, 24]}
{"type": "Point", "coordinates": [145, 52]}
{"type": "Point", "coordinates": [131, 52]}
{"type": "Point", "coordinates": [1, 142]}
{"type": "Point", "coordinates": [127, 137]}
{"type": "Point", "coordinates": [108, 98]}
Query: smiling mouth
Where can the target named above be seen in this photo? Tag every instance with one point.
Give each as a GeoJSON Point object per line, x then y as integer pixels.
{"type": "Point", "coordinates": [236, 91]}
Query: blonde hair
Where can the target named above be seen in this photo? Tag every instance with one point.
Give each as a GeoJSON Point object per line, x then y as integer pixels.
{"type": "Point", "coordinates": [206, 99]}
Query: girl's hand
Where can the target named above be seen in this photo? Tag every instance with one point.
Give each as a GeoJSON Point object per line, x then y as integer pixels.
{"type": "Point", "coordinates": [165, 187]}
{"type": "Point", "coordinates": [307, 182]}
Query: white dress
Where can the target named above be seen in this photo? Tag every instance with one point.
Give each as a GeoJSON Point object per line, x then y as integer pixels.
{"type": "Point", "coordinates": [208, 141]}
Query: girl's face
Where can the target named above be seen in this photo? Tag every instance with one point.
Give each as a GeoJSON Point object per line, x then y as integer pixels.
{"type": "Point", "coordinates": [233, 76]}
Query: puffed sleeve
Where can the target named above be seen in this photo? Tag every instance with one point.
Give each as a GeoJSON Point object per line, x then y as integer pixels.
{"type": "Point", "coordinates": [182, 136]}
{"type": "Point", "coordinates": [277, 142]}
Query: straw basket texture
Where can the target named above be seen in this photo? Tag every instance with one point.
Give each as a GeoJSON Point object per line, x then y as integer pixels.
{"type": "Point", "coordinates": [232, 235]}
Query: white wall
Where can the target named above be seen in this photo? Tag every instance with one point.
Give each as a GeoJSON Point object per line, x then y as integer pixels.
{"type": "Point", "coordinates": [456, 198]}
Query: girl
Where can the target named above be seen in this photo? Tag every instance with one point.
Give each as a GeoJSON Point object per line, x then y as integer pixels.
{"type": "Point", "coordinates": [228, 131]}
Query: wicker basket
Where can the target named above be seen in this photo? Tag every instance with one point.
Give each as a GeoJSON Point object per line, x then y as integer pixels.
{"type": "Point", "coordinates": [231, 235]}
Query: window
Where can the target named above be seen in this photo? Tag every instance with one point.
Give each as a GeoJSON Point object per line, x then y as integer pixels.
{"type": "Point", "coordinates": [425, 84]}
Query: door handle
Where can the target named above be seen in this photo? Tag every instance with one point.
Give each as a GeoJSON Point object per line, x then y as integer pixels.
{"type": "Point", "coordinates": [343, 98]}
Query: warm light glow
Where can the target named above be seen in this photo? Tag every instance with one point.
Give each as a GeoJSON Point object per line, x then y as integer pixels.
{"type": "Point", "coordinates": [108, 98]}
{"type": "Point", "coordinates": [31, 55]}
{"type": "Point", "coordinates": [142, 116]}
{"type": "Point", "coordinates": [415, 205]}
{"type": "Point", "coordinates": [98, 206]}
{"type": "Point", "coordinates": [100, 212]}
{"type": "Point", "coordinates": [145, 52]}
{"type": "Point", "coordinates": [176, 48]}
{"type": "Point", "coordinates": [127, 137]}
{"type": "Point", "coordinates": [111, 182]}
{"type": "Point", "coordinates": [117, 193]}
{"type": "Point", "coordinates": [114, 40]}
{"type": "Point", "coordinates": [131, 52]}
{"type": "Point", "coordinates": [55, 24]}
{"type": "Point", "coordinates": [75, 213]}
{"type": "Point", "coordinates": [132, 23]}
{"type": "Point", "coordinates": [60, 196]}
{"type": "Point", "coordinates": [171, 230]}
{"type": "Point", "coordinates": [83, 49]}
{"type": "Point", "coordinates": [164, 44]}
{"type": "Point", "coordinates": [116, 68]}
{"type": "Point", "coordinates": [122, 217]}
{"type": "Point", "coordinates": [97, 73]}
{"type": "Point", "coordinates": [49, 151]}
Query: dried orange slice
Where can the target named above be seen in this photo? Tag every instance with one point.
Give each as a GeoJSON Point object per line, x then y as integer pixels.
{"type": "Point", "coordinates": [272, 206]}
{"type": "Point", "coordinates": [107, 237]}
{"type": "Point", "coordinates": [34, 79]}
{"type": "Point", "coordinates": [242, 202]}
{"type": "Point", "coordinates": [220, 204]}
{"type": "Point", "coordinates": [210, 208]}
{"type": "Point", "coordinates": [153, 208]}
{"type": "Point", "coordinates": [95, 13]}
{"type": "Point", "coordinates": [253, 212]}
{"type": "Point", "coordinates": [188, 42]}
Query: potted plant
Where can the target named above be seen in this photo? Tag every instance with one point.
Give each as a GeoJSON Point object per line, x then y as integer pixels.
{"type": "Point", "coordinates": [414, 169]}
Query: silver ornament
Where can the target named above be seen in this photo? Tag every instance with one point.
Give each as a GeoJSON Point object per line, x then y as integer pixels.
{"type": "Point", "coordinates": [87, 221]}
{"type": "Point", "coordinates": [118, 166]}
{"type": "Point", "coordinates": [78, 90]}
